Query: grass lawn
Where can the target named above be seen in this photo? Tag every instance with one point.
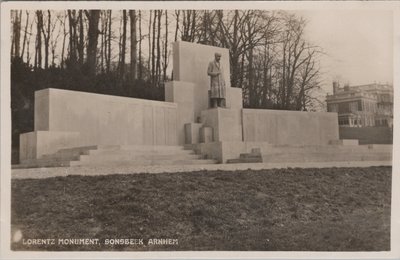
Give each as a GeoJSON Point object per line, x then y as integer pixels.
{"type": "Point", "coordinates": [332, 209]}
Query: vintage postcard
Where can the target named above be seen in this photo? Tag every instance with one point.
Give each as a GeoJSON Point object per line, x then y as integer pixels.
{"type": "Point", "coordinates": [200, 129]}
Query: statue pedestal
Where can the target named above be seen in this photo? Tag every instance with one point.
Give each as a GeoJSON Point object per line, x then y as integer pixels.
{"type": "Point", "coordinates": [226, 123]}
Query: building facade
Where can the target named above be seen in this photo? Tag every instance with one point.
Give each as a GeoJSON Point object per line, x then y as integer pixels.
{"type": "Point", "coordinates": [363, 105]}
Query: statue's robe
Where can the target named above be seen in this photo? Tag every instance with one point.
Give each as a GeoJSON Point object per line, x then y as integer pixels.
{"type": "Point", "coordinates": [217, 82]}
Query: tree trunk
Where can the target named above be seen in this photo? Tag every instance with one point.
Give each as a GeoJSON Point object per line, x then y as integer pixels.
{"type": "Point", "coordinates": [132, 15]}
{"type": "Point", "coordinates": [102, 44]}
{"type": "Point", "coordinates": [109, 41]}
{"type": "Point", "coordinates": [158, 64]}
{"type": "Point", "coordinates": [63, 45]}
{"type": "Point", "coordinates": [81, 42]}
{"type": "Point", "coordinates": [140, 46]}
{"type": "Point", "coordinates": [72, 36]}
{"type": "Point", "coordinates": [38, 53]}
{"type": "Point", "coordinates": [177, 25]}
{"type": "Point", "coordinates": [46, 37]}
{"type": "Point", "coordinates": [193, 28]}
{"type": "Point", "coordinates": [28, 44]}
{"type": "Point", "coordinates": [153, 48]}
{"type": "Point", "coordinates": [165, 47]}
{"type": "Point", "coordinates": [123, 45]}
{"type": "Point", "coordinates": [93, 32]}
{"type": "Point", "coordinates": [17, 33]}
{"type": "Point", "coordinates": [150, 53]}
{"type": "Point", "coordinates": [25, 35]}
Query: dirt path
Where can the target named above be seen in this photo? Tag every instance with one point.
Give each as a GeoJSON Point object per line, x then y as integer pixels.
{"type": "Point", "coordinates": [39, 173]}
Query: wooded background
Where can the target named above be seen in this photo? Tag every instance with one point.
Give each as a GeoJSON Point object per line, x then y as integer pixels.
{"type": "Point", "coordinates": [128, 53]}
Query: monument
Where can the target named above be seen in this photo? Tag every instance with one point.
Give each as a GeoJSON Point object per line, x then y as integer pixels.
{"type": "Point", "coordinates": [69, 125]}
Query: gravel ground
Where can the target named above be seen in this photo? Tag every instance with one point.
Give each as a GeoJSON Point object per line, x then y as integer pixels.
{"type": "Point", "coordinates": [39, 173]}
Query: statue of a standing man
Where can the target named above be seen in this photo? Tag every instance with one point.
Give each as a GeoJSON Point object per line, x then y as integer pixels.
{"type": "Point", "coordinates": [217, 82]}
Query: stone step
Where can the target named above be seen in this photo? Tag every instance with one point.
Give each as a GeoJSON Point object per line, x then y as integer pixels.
{"type": "Point", "coordinates": [106, 157]}
{"type": "Point", "coordinates": [51, 159]}
{"type": "Point", "coordinates": [132, 152]}
{"type": "Point", "coordinates": [40, 164]}
{"type": "Point", "coordinates": [327, 148]}
{"type": "Point", "coordinates": [142, 162]}
{"type": "Point", "coordinates": [246, 160]}
{"type": "Point", "coordinates": [325, 157]}
{"type": "Point", "coordinates": [107, 148]}
{"type": "Point", "coordinates": [250, 155]}
{"type": "Point", "coordinates": [70, 152]}
{"type": "Point", "coordinates": [147, 147]}
{"type": "Point", "coordinates": [117, 155]}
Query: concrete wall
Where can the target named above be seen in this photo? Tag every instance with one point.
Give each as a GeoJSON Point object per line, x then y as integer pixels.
{"type": "Point", "coordinates": [289, 127]}
{"type": "Point", "coordinates": [367, 135]}
{"type": "Point", "coordinates": [190, 62]}
{"type": "Point", "coordinates": [182, 94]}
{"type": "Point", "coordinates": [104, 119]}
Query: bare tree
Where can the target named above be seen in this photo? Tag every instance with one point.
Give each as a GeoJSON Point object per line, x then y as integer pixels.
{"type": "Point", "coordinates": [149, 42]}
{"type": "Point", "coordinates": [165, 47]}
{"type": "Point", "coordinates": [28, 41]}
{"type": "Point", "coordinates": [109, 41]}
{"type": "Point", "coordinates": [81, 41]}
{"type": "Point", "coordinates": [46, 31]}
{"type": "Point", "coordinates": [140, 46]}
{"type": "Point", "coordinates": [25, 34]}
{"type": "Point", "coordinates": [158, 60]}
{"type": "Point", "coordinates": [16, 36]}
{"type": "Point", "coordinates": [54, 38]}
{"type": "Point", "coordinates": [177, 13]}
{"type": "Point", "coordinates": [153, 48]}
{"type": "Point", "coordinates": [189, 25]}
{"type": "Point", "coordinates": [123, 45]}
{"type": "Point", "coordinates": [133, 18]}
{"type": "Point", "coordinates": [38, 49]}
{"type": "Point", "coordinates": [93, 32]}
{"type": "Point", "coordinates": [72, 21]}
{"type": "Point", "coordinates": [65, 33]}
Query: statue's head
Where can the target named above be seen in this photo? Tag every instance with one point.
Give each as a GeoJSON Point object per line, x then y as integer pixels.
{"type": "Point", "coordinates": [217, 56]}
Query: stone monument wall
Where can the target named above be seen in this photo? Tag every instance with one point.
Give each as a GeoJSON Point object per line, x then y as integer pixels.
{"type": "Point", "coordinates": [289, 127]}
{"type": "Point", "coordinates": [98, 120]}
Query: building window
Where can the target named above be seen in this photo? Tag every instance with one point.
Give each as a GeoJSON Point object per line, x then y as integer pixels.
{"type": "Point", "coordinates": [344, 121]}
{"type": "Point", "coordinates": [353, 106]}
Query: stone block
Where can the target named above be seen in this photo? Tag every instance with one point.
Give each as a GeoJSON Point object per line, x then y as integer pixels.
{"type": "Point", "coordinates": [35, 144]}
{"type": "Point", "coordinates": [345, 142]}
{"type": "Point", "coordinates": [42, 110]}
{"type": "Point", "coordinates": [225, 122]}
{"type": "Point", "coordinates": [192, 133]}
{"type": "Point", "coordinates": [206, 134]}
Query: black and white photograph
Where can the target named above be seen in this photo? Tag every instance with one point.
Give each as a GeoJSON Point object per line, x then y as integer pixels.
{"type": "Point", "coordinates": [199, 129]}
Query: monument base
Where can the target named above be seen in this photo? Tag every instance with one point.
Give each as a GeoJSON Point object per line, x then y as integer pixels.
{"type": "Point", "coordinates": [35, 144]}
{"type": "Point", "coordinates": [223, 152]}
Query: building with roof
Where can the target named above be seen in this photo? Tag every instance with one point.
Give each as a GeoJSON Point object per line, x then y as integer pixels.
{"type": "Point", "coordinates": [363, 105]}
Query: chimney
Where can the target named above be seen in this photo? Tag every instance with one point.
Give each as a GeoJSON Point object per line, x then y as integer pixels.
{"type": "Point", "coordinates": [346, 87]}
{"type": "Point", "coordinates": [335, 87]}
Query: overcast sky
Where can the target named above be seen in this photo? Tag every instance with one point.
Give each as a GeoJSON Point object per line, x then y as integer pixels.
{"type": "Point", "coordinates": [358, 44]}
